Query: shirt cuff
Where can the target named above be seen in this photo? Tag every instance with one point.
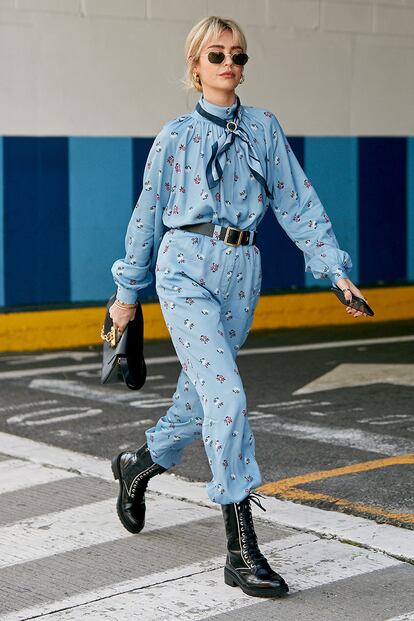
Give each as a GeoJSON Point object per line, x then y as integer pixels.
{"type": "Point", "coordinates": [129, 296]}
{"type": "Point", "coordinates": [337, 273]}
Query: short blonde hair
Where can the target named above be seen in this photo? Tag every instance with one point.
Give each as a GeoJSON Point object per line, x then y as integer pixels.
{"type": "Point", "coordinates": [200, 34]}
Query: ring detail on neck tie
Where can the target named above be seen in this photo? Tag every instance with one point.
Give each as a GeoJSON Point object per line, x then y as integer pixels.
{"type": "Point", "coordinates": [214, 170]}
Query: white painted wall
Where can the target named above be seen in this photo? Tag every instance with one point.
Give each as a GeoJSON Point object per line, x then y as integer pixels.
{"type": "Point", "coordinates": [112, 67]}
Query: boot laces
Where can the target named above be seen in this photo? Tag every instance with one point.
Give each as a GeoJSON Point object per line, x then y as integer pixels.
{"type": "Point", "coordinates": [254, 496]}
{"type": "Point", "coordinates": [140, 487]}
{"type": "Point", "coordinates": [250, 543]}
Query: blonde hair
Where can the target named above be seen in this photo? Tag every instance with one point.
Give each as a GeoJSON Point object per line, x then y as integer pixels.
{"type": "Point", "coordinates": [200, 34]}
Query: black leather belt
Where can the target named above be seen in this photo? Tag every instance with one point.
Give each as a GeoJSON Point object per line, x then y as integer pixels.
{"type": "Point", "coordinates": [230, 235]}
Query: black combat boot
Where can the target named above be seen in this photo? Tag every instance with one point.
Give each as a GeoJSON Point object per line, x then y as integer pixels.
{"type": "Point", "coordinates": [133, 470]}
{"type": "Point", "coordinates": [246, 566]}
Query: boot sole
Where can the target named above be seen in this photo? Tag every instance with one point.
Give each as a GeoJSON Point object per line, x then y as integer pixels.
{"type": "Point", "coordinates": [233, 580]}
{"type": "Point", "coordinates": [116, 470]}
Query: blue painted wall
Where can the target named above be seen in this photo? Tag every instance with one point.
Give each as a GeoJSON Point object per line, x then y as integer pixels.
{"type": "Point", "coordinates": [35, 221]}
{"type": "Point", "coordinates": [410, 208]}
{"type": "Point", "coordinates": [65, 204]}
{"type": "Point", "coordinates": [332, 164]}
{"type": "Point", "coordinates": [100, 202]}
{"type": "Point", "coordinates": [1, 227]}
{"type": "Point", "coordinates": [382, 200]}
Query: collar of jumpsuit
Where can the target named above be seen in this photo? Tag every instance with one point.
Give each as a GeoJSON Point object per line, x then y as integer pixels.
{"type": "Point", "coordinates": [224, 112]}
{"type": "Point", "coordinates": [221, 115]}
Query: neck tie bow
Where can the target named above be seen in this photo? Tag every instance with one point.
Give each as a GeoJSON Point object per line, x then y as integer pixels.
{"type": "Point", "coordinates": [214, 170]}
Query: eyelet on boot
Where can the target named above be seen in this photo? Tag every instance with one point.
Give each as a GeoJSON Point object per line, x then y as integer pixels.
{"type": "Point", "coordinates": [246, 566]}
{"type": "Point", "coordinates": [133, 470]}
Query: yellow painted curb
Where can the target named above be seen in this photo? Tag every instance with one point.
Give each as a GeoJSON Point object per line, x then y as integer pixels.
{"type": "Point", "coordinates": [75, 327]}
{"type": "Point", "coordinates": [322, 308]}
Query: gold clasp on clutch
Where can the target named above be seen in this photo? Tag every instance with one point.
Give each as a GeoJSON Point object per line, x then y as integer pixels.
{"type": "Point", "coordinates": [110, 336]}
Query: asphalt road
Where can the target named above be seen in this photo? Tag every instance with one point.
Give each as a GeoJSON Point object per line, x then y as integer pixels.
{"type": "Point", "coordinates": [318, 400]}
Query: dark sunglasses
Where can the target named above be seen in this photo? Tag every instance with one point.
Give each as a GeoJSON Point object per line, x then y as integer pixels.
{"type": "Point", "coordinates": [239, 58]}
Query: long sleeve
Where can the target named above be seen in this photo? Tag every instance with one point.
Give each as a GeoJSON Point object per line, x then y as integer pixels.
{"type": "Point", "coordinates": [143, 235]}
{"type": "Point", "coordinates": [299, 211]}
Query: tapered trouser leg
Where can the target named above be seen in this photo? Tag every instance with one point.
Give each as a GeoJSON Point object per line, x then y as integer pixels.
{"type": "Point", "coordinates": [208, 292]}
{"type": "Point", "coordinates": [181, 425]}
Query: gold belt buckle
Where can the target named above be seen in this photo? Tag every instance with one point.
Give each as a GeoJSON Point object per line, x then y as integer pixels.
{"type": "Point", "coordinates": [227, 234]}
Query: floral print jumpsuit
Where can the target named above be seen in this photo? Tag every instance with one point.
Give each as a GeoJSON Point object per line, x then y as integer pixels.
{"type": "Point", "coordinates": [197, 171]}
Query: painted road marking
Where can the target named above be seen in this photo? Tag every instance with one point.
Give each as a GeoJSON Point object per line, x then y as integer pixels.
{"type": "Point", "coordinates": [135, 423]}
{"type": "Point", "coordinates": [289, 404]}
{"type": "Point", "coordinates": [288, 488]}
{"type": "Point", "coordinates": [151, 403]}
{"type": "Point", "coordinates": [85, 526]}
{"type": "Point", "coordinates": [386, 538]}
{"type": "Point", "coordinates": [80, 412]}
{"type": "Point", "coordinates": [293, 405]}
{"type": "Point", "coordinates": [22, 406]}
{"type": "Point", "coordinates": [67, 368]}
{"type": "Point", "coordinates": [325, 345]}
{"type": "Point", "coordinates": [339, 436]}
{"type": "Point", "coordinates": [150, 579]}
{"type": "Point", "coordinates": [16, 474]}
{"type": "Point", "coordinates": [75, 388]}
{"type": "Point", "coordinates": [390, 419]}
{"type": "Point", "coordinates": [171, 575]}
{"type": "Point", "coordinates": [252, 351]}
{"type": "Point", "coordinates": [198, 591]}
{"type": "Point", "coordinates": [349, 375]}
{"type": "Point", "coordinates": [30, 358]}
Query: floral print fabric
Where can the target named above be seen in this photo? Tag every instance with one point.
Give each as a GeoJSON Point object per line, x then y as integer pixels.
{"type": "Point", "coordinates": [208, 291]}
{"type": "Point", "coordinates": [175, 192]}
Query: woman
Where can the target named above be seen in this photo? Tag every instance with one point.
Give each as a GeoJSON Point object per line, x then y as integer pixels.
{"type": "Point", "coordinates": [210, 176]}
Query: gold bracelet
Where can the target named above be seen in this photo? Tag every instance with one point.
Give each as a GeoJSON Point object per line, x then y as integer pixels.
{"type": "Point", "coordinates": [124, 304]}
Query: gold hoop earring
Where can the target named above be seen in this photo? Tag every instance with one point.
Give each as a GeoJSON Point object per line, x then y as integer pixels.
{"type": "Point", "coordinates": [196, 77]}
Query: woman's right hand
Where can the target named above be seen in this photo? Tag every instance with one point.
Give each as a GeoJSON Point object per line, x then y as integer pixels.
{"type": "Point", "coordinates": [121, 317]}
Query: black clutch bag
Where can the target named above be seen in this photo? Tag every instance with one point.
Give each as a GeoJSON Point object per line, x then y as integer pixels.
{"type": "Point", "coordinates": [356, 302]}
{"type": "Point", "coordinates": [123, 358]}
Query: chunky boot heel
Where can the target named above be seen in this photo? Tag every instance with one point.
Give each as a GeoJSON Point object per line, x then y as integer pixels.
{"type": "Point", "coordinates": [228, 579]}
{"type": "Point", "coordinates": [133, 471]}
{"type": "Point", "coordinates": [246, 566]}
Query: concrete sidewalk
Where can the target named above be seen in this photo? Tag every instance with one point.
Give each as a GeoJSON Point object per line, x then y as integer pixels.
{"type": "Point", "coordinates": [66, 555]}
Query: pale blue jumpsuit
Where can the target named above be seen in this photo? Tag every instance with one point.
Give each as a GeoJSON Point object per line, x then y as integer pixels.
{"type": "Point", "coordinates": [198, 171]}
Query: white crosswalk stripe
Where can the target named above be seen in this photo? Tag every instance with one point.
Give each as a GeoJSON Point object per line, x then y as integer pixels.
{"type": "Point", "coordinates": [306, 550]}
{"type": "Point", "coordinates": [84, 526]}
{"type": "Point", "coordinates": [17, 474]}
{"type": "Point", "coordinates": [201, 591]}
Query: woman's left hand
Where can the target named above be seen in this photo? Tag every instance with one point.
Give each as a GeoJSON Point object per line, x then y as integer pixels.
{"type": "Point", "coordinates": [344, 283]}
